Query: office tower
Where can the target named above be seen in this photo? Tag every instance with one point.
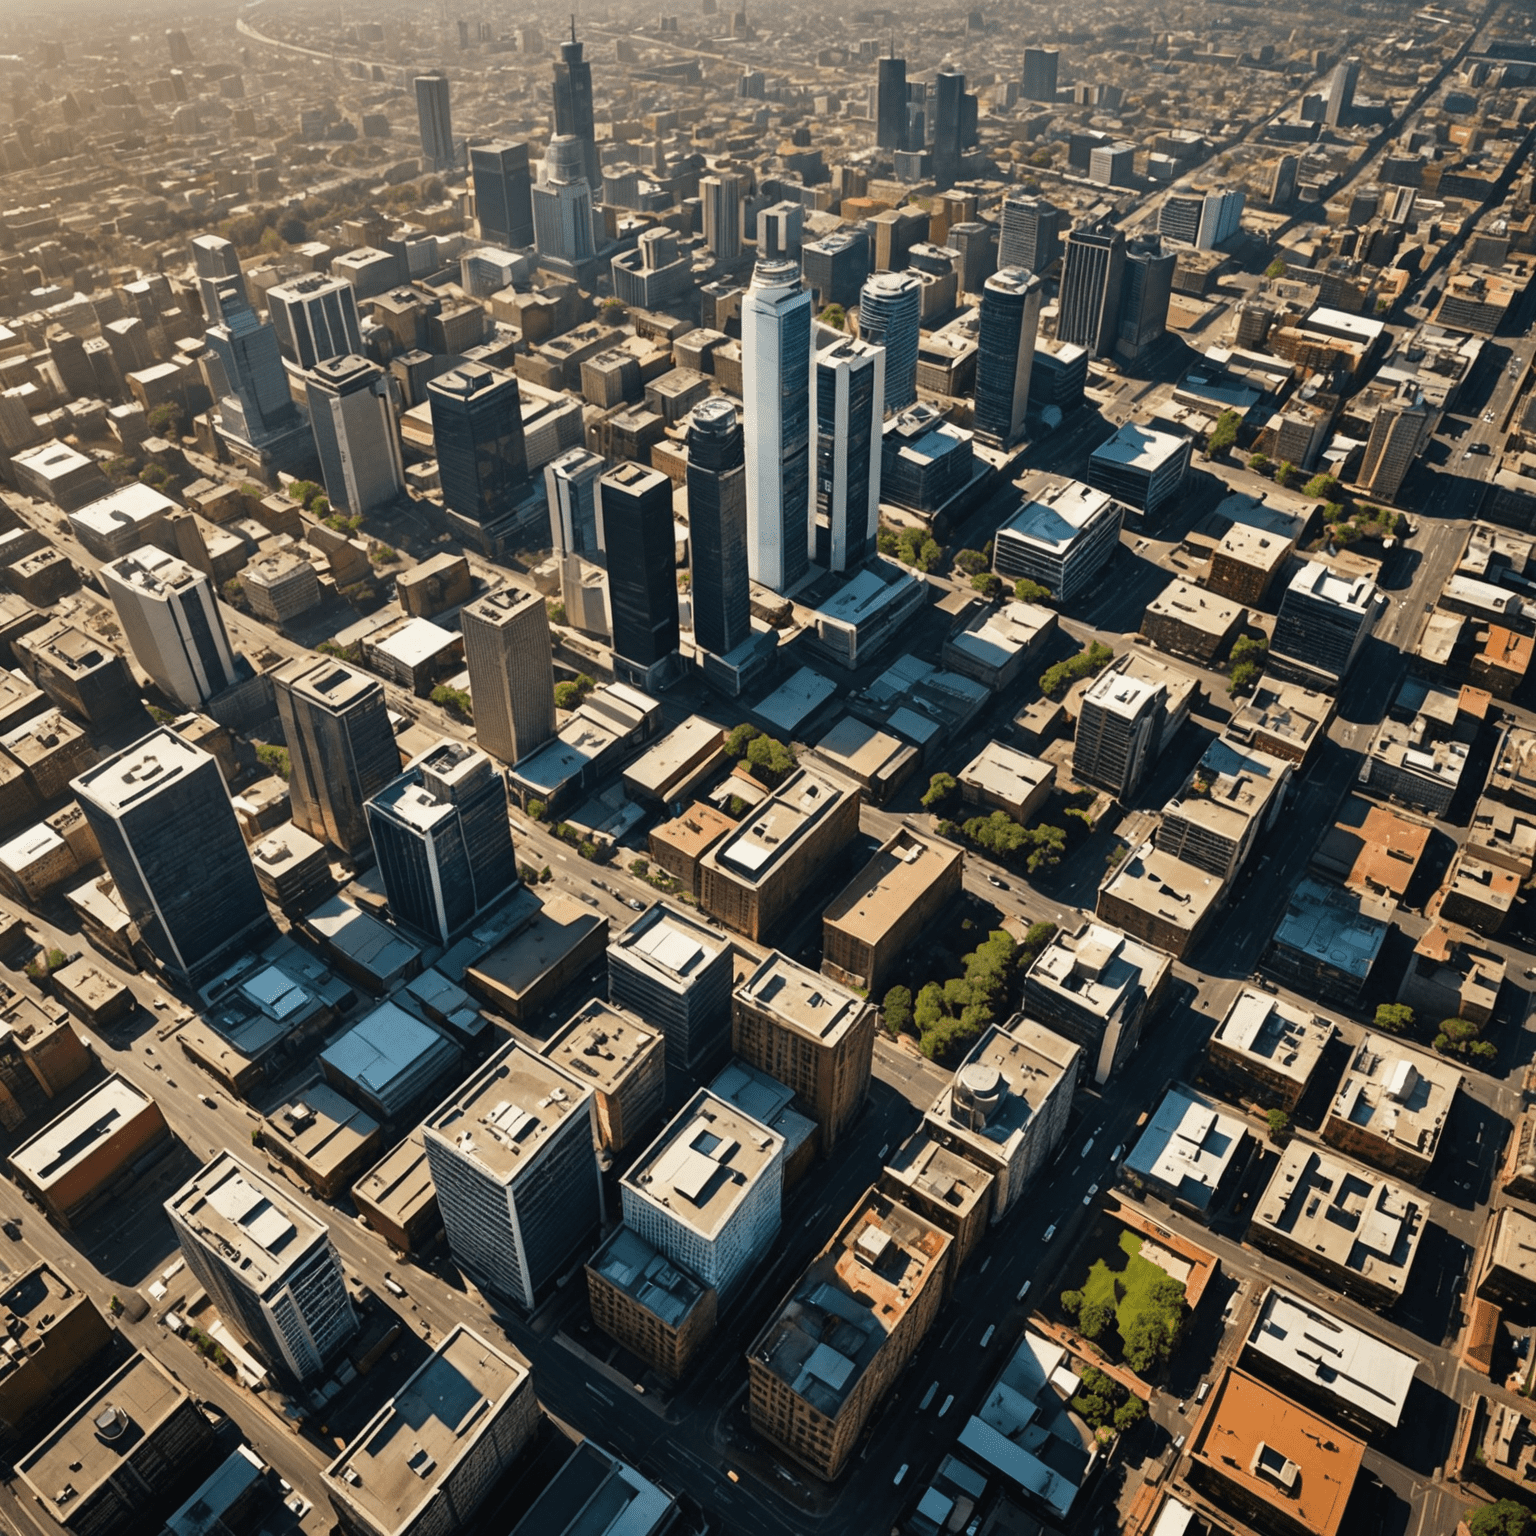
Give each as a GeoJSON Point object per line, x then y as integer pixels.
{"type": "Point", "coordinates": [573, 107]}
{"type": "Point", "coordinates": [354, 415]}
{"type": "Point", "coordinates": [642, 563]}
{"type": "Point", "coordinates": [1088, 310]}
{"type": "Point", "coordinates": [977, 244]}
{"type": "Point", "coordinates": [562, 204]}
{"type": "Point", "coordinates": [810, 1034]}
{"type": "Point", "coordinates": [896, 231]}
{"type": "Point", "coordinates": [511, 672]}
{"type": "Point", "coordinates": [776, 392]}
{"type": "Point", "coordinates": [708, 1192]}
{"type": "Point", "coordinates": [435, 120]}
{"type": "Point", "coordinates": [1400, 429]}
{"type": "Point", "coordinates": [516, 1173]}
{"type": "Point", "coordinates": [172, 624]}
{"type": "Point", "coordinates": [256, 407]}
{"type": "Point", "coordinates": [1221, 217]}
{"type": "Point", "coordinates": [891, 104]}
{"type": "Point", "coordinates": [835, 267]}
{"type": "Point", "coordinates": [948, 126]}
{"type": "Point", "coordinates": [315, 318]}
{"type": "Point", "coordinates": [1282, 186]}
{"type": "Point", "coordinates": [172, 843]}
{"type": "Point", "coordinates": [1030, 233]}
{"type": "Point", "coordinates": [267, 1264]}
{"type": "Point", "coordinates": [443, 841]}
{"type": "Point", "coordinates": [176, 41]}
{"type": "Point", "coordinates": [575, 516]}
{"type": "Point", "coordinates": [477, 432]}
{"type": "Point", "coordinates": [1179, 217]}
{"type": "Point", "coordinates": [779, 231]}
{"type": "Point", "coordinates": [1341, 91]}
{"type": "Point", "coordinates": [1005, 352]}
{"type": "Point", "coordinates": [1323, 622]}
{"type": "Point", "coordinates": [341, 747]}
{"type": "Point", "coordinates": [1118, 732]}
{"type": "Point", "coordinates": [1113, 164]}
{"type": "Point", "coordinates": [890, 316]}
{"type": "Point", "coordinates": [1039, 82]}
{"type": "Point", "coordinates": [503, 192]}
{"type": "Point", "coordinates": [1144, 295]}
{"type": "Point", "coordinates": [717, 527]}
{"type": "Point", "coordinates": [720, 200]}
{"type": "Point", "coordinates": [849, 408]}
{"type": "Point", "coordinates": [215, 261]}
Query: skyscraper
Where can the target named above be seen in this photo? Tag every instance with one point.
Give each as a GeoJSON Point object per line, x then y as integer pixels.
{"type": "Point", "coordinates": [1040, 74]}
{"type": "Point", "coordinates": [642, 569]}
{"type": "Point", "coordinates": [1088, 310]}
{"type": "Point", "coordinates": [776, 392]}
{"type": "Point", "coordinates": [846, 444]}
{"type": "Point", "coordinates": [255, 407]}
{"type": "Point", "coordinates": [1221, 217]}
{"type": "Point", "coordinates": [1399, 430]}
{"type": "Point", "coordinates": [443, 841]}
{"type": "Point", "coordinates": [341, 747]}
{"type": "Point", "coordinates": [977, 245]}
{"type": "Point", "coordinates": [1030, 235]}
{"type": "Point", "coordinates": [779, 230]}
{"type": "Point", "coordinates": [720, 199]}
{"type": "Point", "coordinates": [315, 318]}
{"type": "Point", "coordinates": [948, 126]}
{"type": "Point", "coordinates": [172, 623]}
{"type": "Point", "coordinates": [890, 316]}
{"type": "Point", "coordinates": [503, 192]}
{"type": "Point", "coordinates": [891, 104]}
{"type": "Point", "coordinates": [1145, 293]}
{"type": "Point", "coordinates": [562, 204]}
{"type": "Point", "coordinates": [435, 120]}
{"type": "Point", "coordinates": [354, 414]}
{"type": "Point", "coordinates": [1005, 353]}
{"type": "Point", "coordinates": [573, 106]}
{"type": "Point", "coordinates": [511, 672]}
{"type": "Point", "coordinates": [216, 261]}
{"type": "Point", "coordinates": [1341, 91]}
{"type": "Point", "coordinates": [717, 527]}
{"type": "Point", "coordinates": [267, 1264]}
{"type": "Point", "coordinates": [575, 518]}
{"type": "Point", "coordinates": [835, 266]}
{"type": "Point", "coordinates": [477, 431]}
{"type": "Point", "coordinates": [173, 846]}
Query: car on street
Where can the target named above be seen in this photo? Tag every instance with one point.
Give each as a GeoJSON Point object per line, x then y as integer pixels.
{"type": "Point", "coordinates": [900, 1474]}
{"type": "Point", "coordinates": [947, 1401]}
{"type": "Point", "coordinates": [1115, 1156]}
{"type": "Point", "coordinates": [1093, 1189]}
{"type": "Point", "coordinates": [1049, 1233]}
{"type": "Point", "coordinates": [1023, 1291]}
{"type": "Point", "coordinates": [1002, 885]}
{"type": "Point", "coordinates": [986, 1338]}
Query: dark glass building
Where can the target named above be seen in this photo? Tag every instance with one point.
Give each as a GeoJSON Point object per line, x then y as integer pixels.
{"type": "Point", "coordinates": [1005, 352]}
{"type": "Point", "coordinates": [573, 105]}
{"type": "Point", "coordinates": [477, 430]}
{"type": "Point", "coordinates": [642, 562]}
{"type": "Point", "coordinates": [503, 193]}
{"type": "Point", "coordinates": [891, 104]}
{"type": "Point", "coordinates": [1088, 311]}
{"type": "Point", "coordinates": [717, 527]}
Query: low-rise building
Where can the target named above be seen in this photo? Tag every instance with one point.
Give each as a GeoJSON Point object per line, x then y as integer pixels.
{"type": "Point", "coordinates": [1159, 898]}
{"type": "Point", "coordinates": [873, 921]}
{"type": "Point", "coordinates": [1188, 621]}
{"type": "Point", "coordinates": [999, 643]}
{"type": "Point", "coordinates": [877, 761]}
{"type": "Point", "coordinates": [1451, 975]}
{"type": "Point", "coordinates": [871, 608]}
{"type": "Point", "coordinates": [596, 1494]}
{"type": "Point", "coordinates": [528, 969]}
{"type": "Point", "coordinates": [52, 1331]}
{"type": "Point", "coordinates": [1503, 835]}
{"type": "Point", "coordinates": [1268, 1048]}
{"type": "Point", "coordinates": [840, 1339]}
{"type": "Point", "coordinates": [1062, 538]}
{"type": "Point", "coordinates": [1233, 795]}
{"type": "Point", "coordinates": [1371, 849]}
{"type": "Point", "coordinates": [1505, 1271]}
{"type": "Point", "coordinates": [1392, 1106]}
{"type": "Point", "coordinates": [1004, 779]}
{"type": "Point", "coordinates": [1008, 1104]}
{"type": "Point", "coordinates": [678, 845]}
{"type": "Point", "coordinates": [1328, 939]}
{"type": "Point", "coordinates": [390, 1061]}
{"type": "Point", "coordinates": [1246, 561]}
{"type": "Point", "coordinates": [1341, 1220]}
{"type": "Point", "coordinates": [1283, 719]}
{"type": "Point", "coordinates": [673, 769]}
{"type": "Point", "coordinates": [1141, 467]}
{"type": "Point", "coordinates": [325, 1139]}
{"type": "Point", "coordinates": [1097, 986]}
{"type": "Point", "coordinates": [1512, 778]}
{"type": "Point", "coordinates": [624, 1062]}
{"type": "Point", "coordinates": [397, 1199]}
{"type": "Point", "coordinates": [649, 1303]}
{"type": "Point", "coordinates": [1404, 763]}
{"type": "Point", "coordinates": [1191, 1154]}
{"type": "Point", "coordinates": [1475, 894]}
{"type": "Point", "coordinates": [946, 1188]}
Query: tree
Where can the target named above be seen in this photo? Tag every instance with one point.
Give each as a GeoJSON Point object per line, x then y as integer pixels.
{"type": "Point", "coordinates": [1394, 1018]}
{"type": "Point", "coordinates": [1071, 1302]}
{"type": "Point", "coordinates": [1323, 487]}
{"type": "Point", "coordinates": [556, 612]}
{"type": "Point", "coordinates": [769, 760]}
{"type": "Point", "coordinates": [383, 554]}
{"type": "Point", "coordinates": [304, 492]}
{"type": "Point", "coordinates": [740, 738]}
{"type": "Point", "coordinates": [971, 561]}
{"type": "Point", "coordinates": [165, 420]}
{"type": "Point", "coordinates": [990, 586]}
{"type": "Point", "coordinates": [537, 810]}
{"type": "Point", "coordinates": [1260, 463]}
{"type": "Point", "coordinates": [1027, 591]}
{"type": "Point", "coordinates": [275, 758]}
{"type": "Point", "coordinates": [1286, 473]}
{"type": "Point", "coordinates": [1505, 1518]}
{"type": "Point", "coordinates": [1096, 1319]}
{"type": "Point", "coordinates": [1149, 1338]}
{"type": "Point", "coordinates": [1279, 1127]}
{"type": "Point", "coordinates": [940, 787]}
{"type": "Point", "coordinates": [640, 867]}
{"type": "Point", "coordinates": [1463, 1038]}
{"type": "Point", "coordinates": [1276, 268]}
{"type": "Point", "coordinates": [1049, 845]}
{"type": "Point", "coordinates": [156, 476]}
{"type": "Point", "coordinates": [1250, 648]}
{"type": "Point", "coordinates": [1087, 663]}
{"type": "Point", "coordinates": [454, 700]}
{"type": "Point", "coordinates": [834, 316]}
{"type": "Point", "coordinates": [1131, 1411]}
{"type": "Point", "coordinates": [1244, 675]}
{"type": "Point", "coordinates": [233, 592]}
{"type": "Point", "coordinates": [897, 1009]}
{"type": "Point", "coordinates": [1223, 434]}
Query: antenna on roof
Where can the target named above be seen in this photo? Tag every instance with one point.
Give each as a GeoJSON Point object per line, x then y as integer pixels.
{"type": "Point", "coordinates": [573, 26]}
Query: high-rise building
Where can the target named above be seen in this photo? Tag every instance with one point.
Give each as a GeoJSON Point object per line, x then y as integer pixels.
{"type": "Point", "coordinates": [1118, 729]}
{"type": "Point", "coordinates": [477, 433]}
{"type": "Point", "coordinates": [810, 1034]}
{"type": "Point", "coordinates": [1030, 233]}
{"type": "Point", "coordinates": [172, 623]}
{"type": "Point", "coordinates": [1340, 100]}
{"type": "Point", "coordinates": [977, 244]}
{"type": "Point", "coordinates": [443, 841]}
{"type": "Point", "coordinates": [717, 527]}
{"type": "Point", "coordinates": [776, 391]}
{"type": "Point", "coordinates": [835, 267]}
{"type": "Point", "coordinates": [354, 414]}
{"type": "Point", "coordinates": [254, 407]}
{"type": "Point", "coordinates": [1039, 82]}
{"type": "Point", "coordinates": [1005, 352]}
{"type": "Point", "coordinates": [511, 672]}
{"type": "Point", "coordinates": [268, 1265]}
{"type": "Point", "coordinates": [890, 316]}
{"type": "Point", "coordinates": [315, 318]}
{"type": "Point", "coordinates": [1179, 217]}
{"type": "Point", "coordinates": [341, 747]}
{"type": "Point", "coordinates": [891, 104]}
{"type": "Point", "coordinates": [515, 1167]}
{"type": "Point", "coordinates": [846, 443]}
{"type": "Point", "coordinates": [435, 120]}
{"type": "Point", "coordinates": [1323, 622]}
{"type": "Point", "coordinates": [1221, 217]}
{"type": "Point", "coordinates": [216, 261]}
{"type": "Point", "coordinates": [1401, 428]}
{"type": "Point", "coordinates": [1145, 293]}
{"type": "Point", "coordinates": [573, 106]}
{"type": "Point", "coordinates": [503, 192]}
{"type": "Point", "coordinates": [575, 517]}
{"type": "Point", "coordinates": [1088, 311]}
{"type": "Point", "coordinates": [172, 843]}
{"type": "Point", "coordinates": [720, 202]}
{"type": "Point", "coordinates": [562, 204]}
{"type": "Point", "coordinates": [948, 126]}
{"type": "Point", "coordinates": [779, 231]}
{"type": "Point", "coordinates": [642, 563]}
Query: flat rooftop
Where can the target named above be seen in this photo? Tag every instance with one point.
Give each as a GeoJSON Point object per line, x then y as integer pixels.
{"type": "Point", "coordinates": [139, 772]}
{"type": "Point", "coordinates": [931, 1169]}
{"type": "Point", "coordinates": [1136, 446]}
{"type": "Point", "coordinates": [400, 1183]}
{"type": "Point", "coordinates": [902, 870]}
{"type": "Point", "coordinates": [1016, 1069]}
{"type": "Point", "coordinates": [656, 769]}
{"type": "Point", "coordinates": [503, 1115]}
{"type": "Point", "coordinates": [765, 1099]}
{"type": "Point", "coordinates": [1287, 1039]}
{"type": "Point", "coordinates": [773, 830]}
{"type": "Point", "coordinates": [648, 1277]}
{"type": "Point", "coordinates": [1169, 889]}
{"type": "Point", "coordinates": [78, 1134]}
{"type": "Point", "coordinates": [1201, 610]}
{"type": "Point", "coordinates": [805, 1001]}
{"type": "Point", "coordinates": [600, 1044]}
{"type": "Point", "coordinates": [1059, 515]}
{"type": "Point", "coordinates": [396, 1465]}
{"type": "Point", "coordinates": [561, 925]}
{"type": "Point", "coordinates": [1319, 583]}
{"type": "Point", "coordinates": [704, 1163]}
{"type": "Point", "coordinates": [321, 1127]}
{"type": "Point", "coordinates": [385, 1046]}
{"type": "Point", "coordinates": [1337, 927]}
{"type": "Point", "coordinates": [669, 946]}
{"type": "Point", "coordinates": [1098, 967]}
{"type": "Point", "coordinates": [1337, 1358]}
{"type": "Point", "coordinates": [1188, 1146]}
{"type": "Point", "coordinates": [1400, 1096]}
{"type": "Point", "coordinates": [1013, 776]}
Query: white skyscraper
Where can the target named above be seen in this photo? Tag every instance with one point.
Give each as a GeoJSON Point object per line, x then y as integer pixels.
{"type": "Point", "coordinates": [353, 412]}
{"type": "Point", "coordinates": [846, 444]}
{"type": "Point", "coordinates": [562, 203]}
{"type": "Point", "coordinates": [890, 315]}
{"type": "Point", "coordinates": [776, 390]}
{"type": "Point", "coordinates": [575, 512]}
